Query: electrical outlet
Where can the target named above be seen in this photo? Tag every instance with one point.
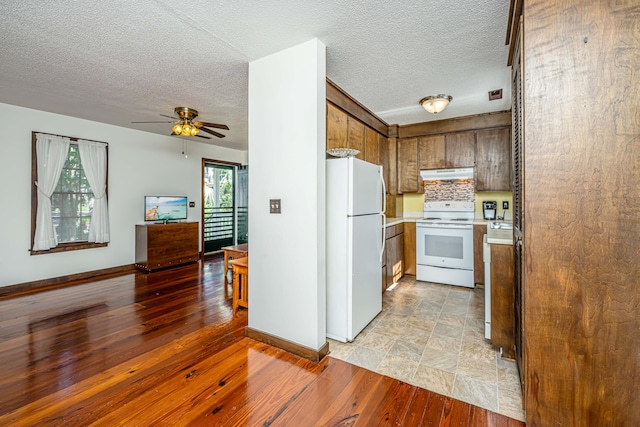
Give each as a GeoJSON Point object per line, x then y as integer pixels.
{"type": "Point", "coordinates": [274, 206]}
{"type": "Point", "coordinates": [505, 205]}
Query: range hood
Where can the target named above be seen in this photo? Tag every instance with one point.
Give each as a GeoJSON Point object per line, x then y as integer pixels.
{"type": "Point", "coordinates": [446, 174]}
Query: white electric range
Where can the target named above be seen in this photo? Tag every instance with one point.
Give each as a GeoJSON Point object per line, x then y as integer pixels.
{"type": "Point", "coordinates": [444, 243]}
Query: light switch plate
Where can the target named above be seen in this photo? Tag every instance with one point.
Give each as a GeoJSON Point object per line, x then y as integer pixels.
{"type": "Point", "coordinates": [192, 204]}
{"type": "Point", "coordinates": [505, 205]}
{"type": "Point", "coordinates": [274, 206]}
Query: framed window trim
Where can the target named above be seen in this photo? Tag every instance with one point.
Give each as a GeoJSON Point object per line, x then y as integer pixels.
{"type": "Point", "coordinates": [62, 247]}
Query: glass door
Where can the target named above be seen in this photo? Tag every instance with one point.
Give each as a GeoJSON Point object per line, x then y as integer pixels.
{"type": "Point", "coordinates": [242, 204]}
{"type": "Point", "coordinates": [219, 220]}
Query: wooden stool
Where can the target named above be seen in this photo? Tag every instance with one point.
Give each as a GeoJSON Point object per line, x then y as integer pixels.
{"type": "Point", "coordinates": [232, 252]}
{"type": "Point", "coordinates": [240, 296]}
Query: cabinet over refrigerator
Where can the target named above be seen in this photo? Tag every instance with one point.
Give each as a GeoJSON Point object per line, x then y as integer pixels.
{"type": "Point", "coordinates": [355, 218]}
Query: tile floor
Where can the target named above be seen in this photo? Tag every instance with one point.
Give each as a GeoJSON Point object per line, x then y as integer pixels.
{"type": "Point", "coordinates": [432, 336]}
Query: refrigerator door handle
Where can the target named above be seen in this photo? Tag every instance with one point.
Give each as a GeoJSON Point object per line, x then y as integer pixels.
{"type": "Point", "coordinates": [384, 228]}
{"type": "Point", "coordinates": [384, 192]}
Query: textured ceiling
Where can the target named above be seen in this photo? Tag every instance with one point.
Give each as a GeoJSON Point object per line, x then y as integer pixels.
{"type": "Point", "coordinates": [122, 61]}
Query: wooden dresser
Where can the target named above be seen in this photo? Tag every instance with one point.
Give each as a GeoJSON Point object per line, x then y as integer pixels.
{"type": "Point", "coordinates": [166, 245]}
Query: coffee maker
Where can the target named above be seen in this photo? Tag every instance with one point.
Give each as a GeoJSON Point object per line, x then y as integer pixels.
{"type": "Point", "coordinates": [489, 210]}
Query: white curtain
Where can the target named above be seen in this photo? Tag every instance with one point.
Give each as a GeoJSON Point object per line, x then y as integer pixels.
{"type": "Point", "coordinates": [93, 156]}
{"type": "Point", "coordinates": [51, 153]}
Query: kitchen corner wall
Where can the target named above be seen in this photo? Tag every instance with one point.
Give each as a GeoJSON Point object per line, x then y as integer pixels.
{"type": "Point", "coordinates": [287, 128]}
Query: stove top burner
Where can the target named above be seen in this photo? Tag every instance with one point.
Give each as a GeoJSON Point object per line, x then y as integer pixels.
{"type": "Point", "coordinates": [460, 219]}
{"type": "Point", "coordinates": [433, 218]}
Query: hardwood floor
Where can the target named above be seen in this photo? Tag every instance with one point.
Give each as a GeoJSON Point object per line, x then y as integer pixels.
{"type": "Point", "coordinates": [164, 349]}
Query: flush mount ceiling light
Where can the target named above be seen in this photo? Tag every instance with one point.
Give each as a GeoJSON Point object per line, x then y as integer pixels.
{"type": "Point", "coordinates": [435, 103]}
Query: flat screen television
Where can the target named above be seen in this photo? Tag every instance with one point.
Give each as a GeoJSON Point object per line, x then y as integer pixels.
{"type": "Point", "coordinates": [165, 208]}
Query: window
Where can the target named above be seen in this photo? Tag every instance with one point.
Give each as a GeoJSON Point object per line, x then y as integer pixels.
{"type": "Point", "coordinates": [68, 225]}
{"type": "Point", "coordinates": [72, 201]}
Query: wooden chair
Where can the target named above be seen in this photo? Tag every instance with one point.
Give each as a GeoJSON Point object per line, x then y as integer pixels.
{"type": "Point", "coordinates": [240, 297]}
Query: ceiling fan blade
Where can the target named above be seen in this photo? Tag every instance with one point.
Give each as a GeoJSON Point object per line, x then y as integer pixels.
{"type": "Point", "coordinates": [171, 117]}
{"type": "Point", "coordinates": [153, 122]}
{"type": "Point", "coordinates": [219, 135]}
{"type": "Point", "coordinates": [212, 125]}
{"type": "Point", "coordinates": [205, 137]}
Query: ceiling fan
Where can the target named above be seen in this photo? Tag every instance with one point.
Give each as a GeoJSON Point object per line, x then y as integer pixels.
{"type": "Point", "coordinates": [185, 125]}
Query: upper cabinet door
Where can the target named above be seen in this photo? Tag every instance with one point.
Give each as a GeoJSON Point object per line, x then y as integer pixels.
{"type": "Point", "coordinates": [408, 173]}
{"type": "Point", "coordinates": [460, 151]}
{"type": "Point", "coordinates": [431, 151]}
{"type": "Point", "coordinates": [371, 154]}
{"type": "Point", "coordinates": [336, 127]}
{"type": "Point", "coordinates": [493, 158]}
{"type": "Point", "coordinates": [355, 136]}
{"type": "Point", "coordinates": [383, 157]}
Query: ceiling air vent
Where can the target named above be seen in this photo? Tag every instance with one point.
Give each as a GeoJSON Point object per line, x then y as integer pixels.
{"type": "Point", "coordinates": [495, 94]}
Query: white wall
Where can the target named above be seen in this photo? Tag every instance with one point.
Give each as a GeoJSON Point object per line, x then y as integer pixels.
{"type": "Point", "coordinates": [140, 163]}
{"type": "Point", "coordinates": [287, 153]}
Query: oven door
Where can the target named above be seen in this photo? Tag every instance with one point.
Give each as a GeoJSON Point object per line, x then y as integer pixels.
{"type": "Point", "coordinates": [446, 246]}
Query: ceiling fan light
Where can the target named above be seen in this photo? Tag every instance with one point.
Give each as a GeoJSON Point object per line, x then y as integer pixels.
{"type": "Point", "coordinates": [177, 129]}
{"type": "Point", "coordinates": [435, 103]}
{"type": "Point", "coordinates": [186, 130]}
{"type": "Point", "coordinates": [194, 131]}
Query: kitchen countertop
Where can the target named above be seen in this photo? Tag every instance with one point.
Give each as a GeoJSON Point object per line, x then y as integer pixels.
{"type": "Point", "coordinates": [401, 219]}
{"type": "Point", "coordinates": [479, 219]}
{"type": "Point", "coordinates": [498, 236]}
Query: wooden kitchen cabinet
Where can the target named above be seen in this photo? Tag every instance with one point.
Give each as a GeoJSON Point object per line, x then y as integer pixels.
{"type": "Point", "coordinates": [344, 131]}
{"type": "Point", "coordinates": [460, 149]}
{"type": "Point", "coordinates": [431, 152]}
{"type": "Point", "coordinates": [383, 159]}
{"type": "Point", "coordinates": [502, 299]}
{"type": "Point", "coordinates": [336, 127]}
{"type": "Point", "coordinates": [408, 172]}
{"type": "Point", "coordinates": [355, 136]}
{"type": "Point", "coordinates": [166, 245]}
{"type": "Point", "coordinates": [394, 251]}
{"type": "Point", "coordinates": [371, 148]}
{"type": "Point", "coordinates": [478, 260]}
{"type": "Point", "coordinates": [410, 248]}
{"type": "Point", "coordinates": [451, 150]}
{"type": "Point", "coordinates": [493, 160]}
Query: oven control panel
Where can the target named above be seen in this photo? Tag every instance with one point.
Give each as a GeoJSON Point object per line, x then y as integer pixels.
{"type": "Point", "coordinates": [449, 206]}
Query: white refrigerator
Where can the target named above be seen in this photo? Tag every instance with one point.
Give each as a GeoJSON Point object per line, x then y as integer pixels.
{"type": "Point", "coordinates": [355, 243]}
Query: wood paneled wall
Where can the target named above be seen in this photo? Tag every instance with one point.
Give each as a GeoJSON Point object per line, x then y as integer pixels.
{"type": "Point", "coordinates": [582, 204]}
{"type": "Point", "coordinates": [458, 124]}
{"type": "Point", "coordinates": [337, 96]}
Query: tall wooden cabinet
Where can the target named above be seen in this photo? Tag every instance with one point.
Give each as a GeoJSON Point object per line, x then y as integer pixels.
{"type": "Point", "coordinates": [166, 245]}
{"type": "Point", "coordinates": [578, 210]}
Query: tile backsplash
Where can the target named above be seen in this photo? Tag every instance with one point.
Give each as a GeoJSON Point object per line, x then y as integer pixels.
{"type": "Point", "coordinates": [460, 190]}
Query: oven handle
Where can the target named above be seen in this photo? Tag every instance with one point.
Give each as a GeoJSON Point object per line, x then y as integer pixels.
{"type": "Point", "coordinates": [447, 227]}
